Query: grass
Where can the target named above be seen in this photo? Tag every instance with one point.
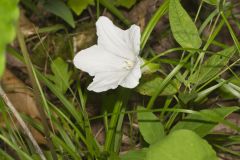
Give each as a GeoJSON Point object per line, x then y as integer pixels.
{"type": "Point", "coordinates": [66, 121]}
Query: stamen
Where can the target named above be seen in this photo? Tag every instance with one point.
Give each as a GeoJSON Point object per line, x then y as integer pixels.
{"type": "Point", "coordinates": [129, 64]}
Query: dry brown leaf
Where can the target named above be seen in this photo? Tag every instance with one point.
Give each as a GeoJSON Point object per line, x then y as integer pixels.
{"type": "Point", "coordinates": [139, 12]}
{"type": "Point", "coordinates": [38, 136]}
{"type": "Point", "coordinates": [234, 118]}
{"type": "Point", "coordinates": [19, 94]}
{"type": "Point", "coordinates": [22, 99]}
{"type": "Point", "coordinates": [26, 26]}
{"type": "Point", "coordinates": [84, 39]}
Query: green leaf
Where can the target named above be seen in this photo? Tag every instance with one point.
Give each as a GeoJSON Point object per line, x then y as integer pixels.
{"type": "Point", "coordinates": [212, 2]}
{"type": "Point", "coordinates": [79, 5]}
{"type": "Point", "coordinates": [181, 145]}
{"type": "Point", "coordinates": [125, 3]}
{"type": "Point", "coordinates": [187, 97]}
{"type": "Point", "coordinates": [212, 66]}
{"type": "Point", "coordinates": [61, 75]}
{"type": "Point", "coordinates": [235, 80]}
{"type": "Point", "coordinates": [15, 147]}
{"type": "Point", "coordinates": [149, 67]}
{"type": "Point", "coordinates": [135, 155]}
{"type": "Point", "coordinates": [148, 86]}
{"type": "Point", "coordinates": [9, 13]}
{"type": "Point", "coordinates": [184, 30]}
{"type": "Point", "coordinates": [149, 125]}
{"type": "Point", "coordinates": [153, 22]}
{"type": "Point", "coordinates": [60, 9]}
{"type": "Point", "coordinates": [2, 62]}
{"type": "Point", "coordinates": [204, 123]}
{"type": "Point", "coordinates": [114, 156]}
{"type": "Point", "coordinates": [114, 10]}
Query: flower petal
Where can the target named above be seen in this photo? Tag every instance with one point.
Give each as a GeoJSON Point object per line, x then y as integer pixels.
{"type": "Point", "coordinates": [134, 38]}
{"type": "Point", "coordinates": [111, 61]}
{"type": "Point", "coordinates": [132, 78]}
{"type": "Point", "coordinates": [96, 60]}
{"type": "Point", "coordinates": [106, 80]}
{"type": "Point", "coordinates": [123, 43]}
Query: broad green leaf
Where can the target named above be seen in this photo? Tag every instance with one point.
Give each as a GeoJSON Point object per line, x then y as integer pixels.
{"type": "Point", "coordinates": [148, 86]}
{"type": "Point", "coordinates": [79, 5]}
{"type": "Point", "coordinates": [61, 75]}
{"type": "Point", "coordinates": [212, 2]}
{"type": "Point", "coordinates": [135, 155]}
{"type": "Point", "coordinates": [60, 9]}
{"type": "Point", "coordinates": [184, 30]}
{"type": "Point", "coordinates": [2, 62]}
{"type": "Point", "coordinates": [181, 145]}
{"type": "Point", "coordinates": [204, 123]}
{"type": "Point", "coordinates": [125, 3]}
{"type": "Point", "coordinates": [148, 68]}
{"type": "Point", "coordinates": [212, 66]}
{"type": "Point", "coordinates": [9, 13]}
{"type": "Point", "coordinates": [187, 97]}
{"type": "Point", "coordinates": [149, 125]}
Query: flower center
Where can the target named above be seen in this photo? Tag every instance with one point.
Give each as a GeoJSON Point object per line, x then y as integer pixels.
{"type": "Point", "coordinates": [129, 64]}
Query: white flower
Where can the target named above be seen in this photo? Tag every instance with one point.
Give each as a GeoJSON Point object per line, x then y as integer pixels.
{"type": "Point", "coordinates": [114, 60]}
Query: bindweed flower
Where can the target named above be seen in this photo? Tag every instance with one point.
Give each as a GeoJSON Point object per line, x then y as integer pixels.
{"type": "Point", "coordinates": [114, 60]}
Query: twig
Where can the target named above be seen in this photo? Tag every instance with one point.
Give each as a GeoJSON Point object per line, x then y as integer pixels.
{"type": "Point", "coordinates": [22, 123]}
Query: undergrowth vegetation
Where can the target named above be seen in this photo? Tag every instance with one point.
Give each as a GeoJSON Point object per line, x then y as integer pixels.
{"type": "Point", "coordinates": [180, 110]}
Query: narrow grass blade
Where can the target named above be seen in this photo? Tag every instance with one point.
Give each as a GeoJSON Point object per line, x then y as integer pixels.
{"type": "Point", "coordinates": [16, 148]}
{"type": "Point", "coordinates": [152, 23]}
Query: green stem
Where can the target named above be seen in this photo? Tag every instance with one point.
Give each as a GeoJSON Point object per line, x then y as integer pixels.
{"type": "Point", "coordinates": [199, 9]}
{"type": "Point", "coordinates": [98, 9]}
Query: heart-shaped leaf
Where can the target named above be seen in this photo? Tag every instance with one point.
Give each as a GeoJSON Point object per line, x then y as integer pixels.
{"type": "Point", "coordinates": [149, 125]}
{"type": "Point", "coordinates": [181, 145]}
{"type": "Point", "coordinates": [135, 155]}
